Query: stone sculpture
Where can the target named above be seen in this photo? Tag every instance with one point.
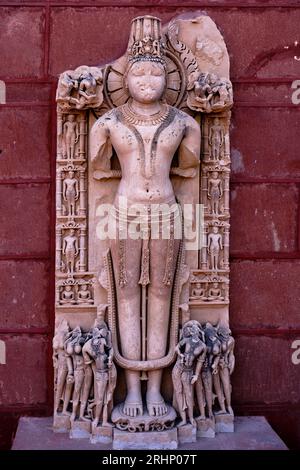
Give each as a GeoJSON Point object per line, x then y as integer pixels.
{"type": "Point", "coordinates": [131, 135]}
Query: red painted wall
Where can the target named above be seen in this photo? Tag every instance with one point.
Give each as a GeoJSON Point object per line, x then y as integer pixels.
{"type": "Point", "coordinates": [39, 40]}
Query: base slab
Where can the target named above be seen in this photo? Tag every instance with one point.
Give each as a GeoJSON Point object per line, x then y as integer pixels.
{"type": "Point", "coordinates": [152, 440]}
{"type": "Point", "coordinates": [251, 433]}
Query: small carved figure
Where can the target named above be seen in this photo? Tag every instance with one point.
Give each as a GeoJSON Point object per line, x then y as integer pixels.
{"type": "Point", "coordinates": [70, 136]}
{"type": "Point", "coordinates": [67, 295]}
{"type": "Point", "coordinates": [70, 192]}
{"type": "Point", "coordinates": [63, 382]}
{"type": "Point", "coordinates": [84, 295]}
{"type": "Point", "coordinates": [199, 292]}
{"type": "Point", "coordinates": [98, 352]}
{"type": "Point", "coordinates": [81, 372]}
{"type": "Point", "coordinates": [226, 363]}
{"type": "Point", "coordinates": [214, 247]}
{"type": "Point", "coordinates": [216, 140]}
{"type": "Point", "coordinates": [189, 349]}
{"type": "Point", "coordinates": [70, 250]}
{"type": "Point", "coordinates": [204, 387]}
{"type": "Point", "coordinates": [214, 193]}
{"type": "Point", "coordinates": [215, 292]}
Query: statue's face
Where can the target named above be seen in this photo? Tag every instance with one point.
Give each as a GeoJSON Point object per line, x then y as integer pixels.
{"type": "Point", "coordinates": [146, 81]}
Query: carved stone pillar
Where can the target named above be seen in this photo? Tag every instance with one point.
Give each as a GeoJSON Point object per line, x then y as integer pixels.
{"type": "Point", "coordinates": [82, 250]}
{"type": "Point", "coordinates": [82, 134]}
{"type": "Point", "coordinates": [59, 179]}
{"type": "Point", "coordinates": [226, 248]}
{"type": "Point", "coordinates": [82, 193]}
{"type": "Point", "coordinates": [58, 248]}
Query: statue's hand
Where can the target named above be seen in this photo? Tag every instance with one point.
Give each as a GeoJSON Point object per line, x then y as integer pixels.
{"type": "Point", "coordinates": [194, 379]}
{"type": "Point", "coordinates": [109, 363]}
{"type": "Point", "coordinates": [214, 370]}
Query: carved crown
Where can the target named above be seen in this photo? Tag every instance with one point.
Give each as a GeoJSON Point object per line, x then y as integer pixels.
{"type": "Point", "coordinates": [146, 42]}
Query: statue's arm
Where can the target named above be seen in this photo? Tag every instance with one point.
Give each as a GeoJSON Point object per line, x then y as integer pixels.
{"type": "Point", "coordinates": [189, 150]}
{"type": "Point", "coordinates": [100, 148]}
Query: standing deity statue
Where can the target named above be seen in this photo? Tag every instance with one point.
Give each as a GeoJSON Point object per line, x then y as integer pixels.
{"type": "Point", "coordinates": [62, 379]}
{"type": "Point", "coordinates": [70, 192]}
{"type": "Point", "coordinates": [98, 352]}
{"type": "Point", "coordinates": [145, 133]}
{"type": "Point", "coordinates": [190, 349]}
{"type": "Point", "coordinates": [70, 136]}
{"type": "Point", "coordinates": [216, 139]}
{"type": "Point", "coordinates": [214, 193]}
{"type": "Point", "coordinates": [214, 247]}
{"type": "Point", "coordinates": [79, 371]}
{"type": "Point", "coordinates": [226, 363]}
{"type": "Point", "coordinates": [70, 250]}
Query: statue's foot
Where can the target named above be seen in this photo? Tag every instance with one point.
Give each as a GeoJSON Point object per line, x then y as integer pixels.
{"type": "Point", "coordinates": [83, 418]}
{"type": "Point", "coordinates": [95, 423]}
{"type": "Point", "coordinates": [65, 413]}
{"type": "Point", "coordinates": [230, 410]}
{"type": "Point", "coordinates": [73, 417]}
{"type": "Point", "coordinates": [133, 405]}
{"type": "Point", "coordinates": [155, 404]}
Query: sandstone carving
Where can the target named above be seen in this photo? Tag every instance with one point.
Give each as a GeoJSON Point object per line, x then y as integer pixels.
{"type": "Point", "coordinates": [139, 140]}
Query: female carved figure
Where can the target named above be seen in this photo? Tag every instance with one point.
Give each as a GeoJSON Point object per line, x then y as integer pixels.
{"type": "Point", "coordinates": [189, 349]}
{"type": "Point", "coordinates": [81, 372]}
{"type": "Point", "coordinates": [63, 381]}
{"type": "Point", "coordinates": [98, 352]}
{"type": "Point", "coordinates": [145, 133]}
{"type": "Point", "coordinates": [204, 386]}
{"type": "Point", "coordinates": [226, 363]}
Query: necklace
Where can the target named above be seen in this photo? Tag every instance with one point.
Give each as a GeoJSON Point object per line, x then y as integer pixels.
{"type": "Point", "coordinates": [132, 117]}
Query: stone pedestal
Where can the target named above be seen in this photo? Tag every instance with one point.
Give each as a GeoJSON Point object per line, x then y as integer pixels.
{"type": "Point", "coordinates": [187, 433]}
{"type": "Point", "coordinates": [251, 433]}
{"type": "Point", "coordinates": [80, 429]}
{"type": "Point", "coordinates": [102, 434]}
{"type": "Point", "coordinates": [152, 440]}
{"type": "Point", "coordinates": [224, 423]}
{"type": "Point", "coordinates": [145, 422]}
{"type": "Point", "coordinates": [205, 427]}
{"type": "Point", "coordinates": [61, 423]}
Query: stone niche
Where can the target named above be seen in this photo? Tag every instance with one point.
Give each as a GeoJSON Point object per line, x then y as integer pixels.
{"type": "Point", "coordinates": [142, 350]}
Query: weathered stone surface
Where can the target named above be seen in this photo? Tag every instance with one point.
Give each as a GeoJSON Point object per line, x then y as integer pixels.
{"type": "Point", "coordinates": [23, 377]}
{"type": "Point", "coordinates": [265, 227]}
{"type": "Point", "coordinates": [24, 219]}
{"type": "Point", "coordinates": [187, 434]}
{"type": "Point", "coordinates": [61, 423]}
{"type": "Point", "coordinates": [25, 142]}
{"type": "Point", "coordinates": [260, 282]}
{"type": "Point", "coordinates": [80, 429]}
{"type": "Point", "coordinates": [224, 423]}
{"type": "Point", "coordinates": [145, 440]}
{"type": "Point", "coordinates": [21, 41]}
{"type": "Point", "coordinates": [264, 371]}
{"type": "Point", "coordinates": [264, 130]}
{"type": "Point", "coordinates": [205, 427]}
{"type": "Point", "coordinates": [103, 435]}
{"type": "Point", "coordinates": [252, 433]}
{"type": "Point", "coordinates": [27, 282]}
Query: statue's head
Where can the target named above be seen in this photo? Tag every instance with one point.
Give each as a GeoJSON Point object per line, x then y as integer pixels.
{"type": "Point", "coordinates": [215, 285]}
{"type": "Point", "coordinates": [215, 174]}
{"type": "Point", "coordinates": [71, 117]}
{"type": "Point", "coordinates": [145, 76]}
{"type": "Point", "coordinates": [71, 174]}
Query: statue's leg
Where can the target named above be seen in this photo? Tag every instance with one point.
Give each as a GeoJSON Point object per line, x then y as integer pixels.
{"type": "Point", "coordinates": [225, 379]}
{"type": "Point", "coordinates": [200, 397]}
{"type": "Point", "coordinates": [129, 311]}
{"type": "Point", "coordinates": [207, 382]}
{"type": "Point", "coordinates": [88, 375]}
{"type": "Point", "coordinates": [158, 317]}
{"type": "Point", "coordinates": [61, 378]}
{"type": "Point", "coordinates": [219, 392]}
{"type": "Point", "coordinates": [79, 377]}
